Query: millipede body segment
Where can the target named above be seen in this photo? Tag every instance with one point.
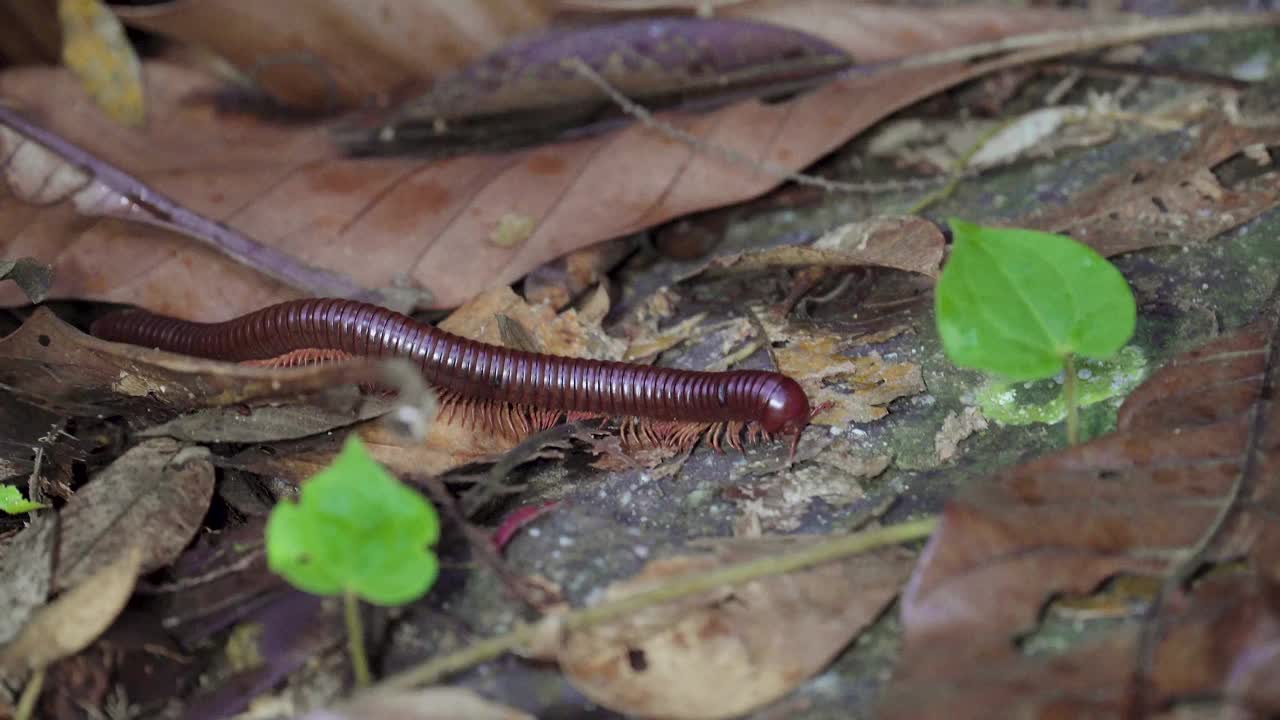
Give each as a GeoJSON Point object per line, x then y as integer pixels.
{"type": "Point", "coordinates": [494, 384]}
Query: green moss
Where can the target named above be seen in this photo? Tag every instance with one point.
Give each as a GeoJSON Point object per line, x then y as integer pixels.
{"type": "Point", "coordinates": [1042, 402]}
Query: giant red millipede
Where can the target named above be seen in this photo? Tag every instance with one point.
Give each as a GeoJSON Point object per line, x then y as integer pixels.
{"type": "Point", "coordinates": [499, 389]}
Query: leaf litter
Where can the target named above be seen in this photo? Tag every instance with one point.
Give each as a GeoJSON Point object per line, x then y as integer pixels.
{"type": "Point", "coordinates": [1182, 478]}
{"type": "Point", "coordinates": [291, 191]}
{"type": "Point", "coordinates": [282, 630]}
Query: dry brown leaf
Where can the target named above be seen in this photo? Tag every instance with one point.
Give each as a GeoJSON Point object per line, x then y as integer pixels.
{"type": "Point", "coordinates": [904, 243]}
{"type": "Point", "coordinates": [724, 653]}
{"type": "Point", "coordinates": [1173, 203]}
{"type": "Point", "coordinates": [153, 497]}
{"type": "Point", "coordinates": [434, 703]}
{"type": "Point", "coordinates": [1218, 656]}
{"type": "Point", "coordinates": [404, 222]}
{"type": "Point", "coordinates": [67, 625]}
{"type": "Point", "coordinates": [340, 52]}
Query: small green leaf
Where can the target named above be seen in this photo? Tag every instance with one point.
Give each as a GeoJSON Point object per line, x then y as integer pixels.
{"type": "Point", "coordinates": [1017, 302]}
{"type": "Point", "coordinates": [356, 527]}
{"type": "Point", "coordinates": [12, 502]}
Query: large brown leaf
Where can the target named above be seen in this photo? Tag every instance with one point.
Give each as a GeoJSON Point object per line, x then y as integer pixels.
{"type": "Point", "coordinates": [721, 654]}
{"type": "Point", "coordinates": [325, 52]}
{"type": "Point", "coordinates": [1191, 467]}
{"type": "Point", "coordinates": [436, 225]}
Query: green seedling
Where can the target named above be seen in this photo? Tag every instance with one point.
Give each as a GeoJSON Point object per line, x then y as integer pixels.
{"type": "Point", "coordinates": [12, 502]}
{"type": "Point", "coordinates": [358, 532]}
{"type": "Point", "coordinates": [1024, 304]}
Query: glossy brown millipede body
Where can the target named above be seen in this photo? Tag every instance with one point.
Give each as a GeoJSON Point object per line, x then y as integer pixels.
{"type": "Point", "coordinates": [496, 387]}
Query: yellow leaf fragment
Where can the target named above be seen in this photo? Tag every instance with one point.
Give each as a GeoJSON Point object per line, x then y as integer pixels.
{"type": "Point", "coordinates": [95, 48]}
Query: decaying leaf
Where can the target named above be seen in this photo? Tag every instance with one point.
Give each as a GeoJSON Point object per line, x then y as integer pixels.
{"type": "Point", "coordinates": [1200, 434]}
{"type": "Point", "coordinates": [435, 703]}
{"type": "Point", "coordinates": [400, 222]}
{"type": "Point", "coordinates": [1173, 203]}
{"type": "Point", "coordinates": [724, 653]}
{"type": "Point", "coordinates": [153, 497]}
{"type": "Point", "coordinates": [67, 625]}
{"type": "Point", "coordinates": [867, 383]}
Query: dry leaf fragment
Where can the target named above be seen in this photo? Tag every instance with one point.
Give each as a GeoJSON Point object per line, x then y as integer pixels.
{"type": "Point", "coordinates": [815, 359]}
{"type": "Point", "coordinates": [957, 427]}
{"type": "Point", "coordinates": [153, 497]}
{"type": "Point", "coordinates": [905, 243]}
{"type": "Point", "coordinates": [75, 619]}
{"type": "Point", "coordinates": [26, 568]}
{"type": "Point", "coordinates": [434, 703]}
{"type": "Point", "coordinates": [722, 654]}
{"type": "Point", "coordinates": [33, 277]}
{"type": "Point", "coordinates": [1174, 203]}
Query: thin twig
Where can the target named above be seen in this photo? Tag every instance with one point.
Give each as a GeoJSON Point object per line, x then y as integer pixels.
{"type": "Point", "coordinates": [827, 551]}
{"type": "Point", "coordinates": [355, 638]}
{"type": "Point", "coordinates": [533, 596]}
{"type": "Point", "coordinates": [1071, 399]}
{"type": "Point", "coordinates": [1059, 42]}
{"type": "Point", "coordinates": [30, 695]}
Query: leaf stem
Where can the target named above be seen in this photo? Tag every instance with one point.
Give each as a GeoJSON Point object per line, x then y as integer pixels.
{"type": "Point", "coordinates": [30, 694]}
{"type": "Point", "coordinates": [355, 638]}
{"type": "Point", "coordinates": [826, 551]}
{"type": "Point", "coordinates": [1069, 396]}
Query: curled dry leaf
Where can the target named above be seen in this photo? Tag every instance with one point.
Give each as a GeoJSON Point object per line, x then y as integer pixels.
{"type": "Point", "coordinates": [403, 222]}
{"type": "Point", "coordinates": [153, 497]}
{"type": "Point", "coordinates": [721, 654]}
{"type": "Point", "coordinates": [1199, 435]}
{"type": "Point", "coordinates": [67, 625]}
{"type": "Point", "coordinates": [530, 88]}
{"type": "Point", "coordinates": [903, 243]}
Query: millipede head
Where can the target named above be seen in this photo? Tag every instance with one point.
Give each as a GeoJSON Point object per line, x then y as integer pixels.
{"type": "Point", "coordinates": [786, 410]}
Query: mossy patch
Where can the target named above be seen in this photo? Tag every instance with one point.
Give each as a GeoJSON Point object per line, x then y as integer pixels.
{"type": "Point", "coordinates": [1025, 403]}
